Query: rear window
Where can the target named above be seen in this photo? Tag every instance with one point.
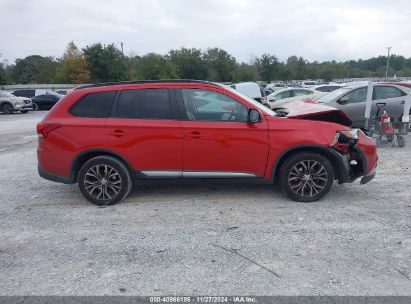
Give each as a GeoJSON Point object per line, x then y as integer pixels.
{"type": "Point", "coordinates": [144, 103]}
{"type": "Point", "coordinates": [97, 105]}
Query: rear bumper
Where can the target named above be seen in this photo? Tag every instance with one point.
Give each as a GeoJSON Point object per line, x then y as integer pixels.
{"type": "Point", "coordinates": [53, 177]}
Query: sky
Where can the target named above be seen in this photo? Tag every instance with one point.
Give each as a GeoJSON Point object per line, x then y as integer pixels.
{"type": "Point", "coordinates": [317, 30]}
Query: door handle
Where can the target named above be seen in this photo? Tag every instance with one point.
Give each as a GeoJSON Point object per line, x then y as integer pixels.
{"type": "Point", "coordinates": [195, 135]}
{"type": "Point", "coordinates": [117, 133]}
{"type": "Point", "coordinates": [403, 102]}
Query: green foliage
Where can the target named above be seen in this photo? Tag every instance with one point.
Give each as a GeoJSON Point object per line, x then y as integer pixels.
{"type": "Point", "coordinates": [106, 62]}
{"type": "Point", "coordinates": [154, 66]}
{"type": "Point", "coordinates": [34, 69]}
{"type": "Point", "coordinates": [268, 67]}
{"type": "Point", "coordinates": [247, 72]}
{"type": "Point", "coordinates": [4, 73]}
{"type": "Point", "coordinates": [221, 65]}
{"type": "Point", "coordinates": [73, 68]}
{"type": "Point", "coordinates": [189, 63]}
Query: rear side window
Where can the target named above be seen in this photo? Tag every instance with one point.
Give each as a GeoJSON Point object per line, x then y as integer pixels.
{"type": "Point", "coordinates": [144, 103]}
{"type": "Point", "coordinates": [384, 92]}
{"type": "Point", "coordinates": [24, 93]}
{"type": "Point", "coordinates": [97, 105]}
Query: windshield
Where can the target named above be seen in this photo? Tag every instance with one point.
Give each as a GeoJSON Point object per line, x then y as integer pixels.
{"type": "Point", "coordinates": [250, 100]}
{"type": "Point", "coordinates": [6, 94]}
{"type": "Point", "coordinates": [333, 95]}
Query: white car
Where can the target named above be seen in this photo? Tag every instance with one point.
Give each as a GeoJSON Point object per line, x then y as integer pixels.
{"type": "Point", "coordinates": [251, 89]}
{"type": "Point", "coordinates": [277, 99]}
{"type": "Point", "coordinates": [328, 87]}
{"type": "Point", "coordinates": [308, 84]}
{"type": "Point", "coordinates": [276, 86]}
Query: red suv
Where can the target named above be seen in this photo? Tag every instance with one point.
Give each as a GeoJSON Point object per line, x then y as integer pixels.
{"type": "Point", "coordinates": [107, 137]}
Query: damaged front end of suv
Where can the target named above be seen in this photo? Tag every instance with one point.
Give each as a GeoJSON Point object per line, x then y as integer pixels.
{"type": "Point", "coordinates": [354, 152]}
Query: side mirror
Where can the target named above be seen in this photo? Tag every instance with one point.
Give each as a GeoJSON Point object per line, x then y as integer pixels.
{"type": "Point", "coordinates": [253, 116]}
{"type": "Point", "coordinates": [343, 100]}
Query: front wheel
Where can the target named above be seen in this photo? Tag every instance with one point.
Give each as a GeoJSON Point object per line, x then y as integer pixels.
{"type": "Point", "coordinates": [7, 109]}
{"type": "Point", "coordinates": [306, 177]}
{"type": "Point", "coordinates": [104, 180]}
{"type": "Point", "coordinates": [35, 107]}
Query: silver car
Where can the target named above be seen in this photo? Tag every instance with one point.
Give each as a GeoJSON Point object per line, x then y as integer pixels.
{"type": "Point", "coordinates": [351, 99]}
{"type": "Point", "coordinates": [10, 103]}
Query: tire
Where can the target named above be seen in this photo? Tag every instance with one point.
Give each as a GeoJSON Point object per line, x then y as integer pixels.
{"type": "Point", "coordinates": [401, 141]}
{"type": "Point", "coordinates": [7, 109]}
{"type": "Point", "coordinates": [390, 137]}
{"type": "Point", "coordinates": [104, 180]}
{"type": "Point", "coordinates": [35, 107]}
{"type": "Point", "coordinates": [297, 180]}
{"type": "Point", "coordinates": [24, 111]}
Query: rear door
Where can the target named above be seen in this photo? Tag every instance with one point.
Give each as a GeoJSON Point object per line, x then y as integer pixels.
{"type": "Point", "coordinates": [144, 130]}
{"type": "Point", "coordinates": [218, 140]}
{"type": "Point", "coordinates": [392, 97]}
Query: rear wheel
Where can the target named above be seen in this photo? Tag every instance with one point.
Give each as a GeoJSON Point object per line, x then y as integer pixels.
{"type": "Point", "coordinates": [401, 141]}
{"type": "Point", "coordinates": [306, 177]}
{"type": "Point", "coordinates": [35, 106]}
{"type": "Point", "coordinates": [104, 180]}
{"type": "Point", "coordinates": [7, 108]}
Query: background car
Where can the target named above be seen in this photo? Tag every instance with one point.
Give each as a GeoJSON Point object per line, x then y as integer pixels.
{"type": "Point", "coordinates": [10, 103]}
{"type": "Point", "coordinates": [284, 96]}
{"type": "Point", "coordinates": [41, 99]}
{"type": "Point", "coordinates": [351, 100]}
{"type": "Point", "coordinates": [251, 89]}
{"type": "Point", "coordinates": [326, 88]}
{"type": "Point", "coordinates": [276, 86]}
{"type": "Point", "coordinates": [308, 83]}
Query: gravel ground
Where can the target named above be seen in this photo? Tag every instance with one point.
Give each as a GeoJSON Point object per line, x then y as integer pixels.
{"type": "Point", "coordinates": [200, 239]}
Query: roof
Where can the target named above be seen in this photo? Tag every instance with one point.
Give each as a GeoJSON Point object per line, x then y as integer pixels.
{"type": "Point", "coordinates": [143, 82]}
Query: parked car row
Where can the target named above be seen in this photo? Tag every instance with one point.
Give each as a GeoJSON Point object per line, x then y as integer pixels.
{"type": "Point", "coordinates": [349, 98]}
{"type": "Point", "coordinates": [27, 100]}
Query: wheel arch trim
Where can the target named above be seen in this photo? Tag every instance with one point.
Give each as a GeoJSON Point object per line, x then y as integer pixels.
{"type": "Point", "coordinates": [75, 163]}
{"type": "Point", "coordinates": [340, 166]}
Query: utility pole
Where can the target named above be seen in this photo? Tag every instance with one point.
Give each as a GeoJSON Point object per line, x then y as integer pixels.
{"type": "Point", "coordinates": [388, 58]}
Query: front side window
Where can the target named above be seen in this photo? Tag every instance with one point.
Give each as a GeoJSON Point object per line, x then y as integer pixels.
{"type": "Point", "coordinates": [144, 104]}
{"type": "Point", "coordinates": [97, 105]}
{"type": "Point", "coordinates": [384, 92]}
{"type": "Point", "coordinates": [357, 95]}
{"type": "Point", "coordinates": [212, 106]}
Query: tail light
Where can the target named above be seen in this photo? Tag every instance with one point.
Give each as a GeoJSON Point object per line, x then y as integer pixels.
{"type": "Point", "coordinates": [43, 129]}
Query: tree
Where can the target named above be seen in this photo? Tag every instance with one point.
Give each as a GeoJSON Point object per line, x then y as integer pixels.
{"type": "Point", "coordinates": [155, 66]}
{"type": "Point", "coordinates": [35, 69]}
{"type": "Point", "coordinates": [247, 72]}
{"type": "Point", "coordinates": [222, 66]}
{"type": "Point", "coordinates": [189, 63]}
{"type": "Point", "coordinates": [268, 67]}
{"type": "Point", "coordinates": [133, 63]}
{"type": "Point", "coordinates": [4, 73]}
{"type": "Point", "coordinates": [73, 68]}
{"type": "Point", "coordinates": [106, 62]}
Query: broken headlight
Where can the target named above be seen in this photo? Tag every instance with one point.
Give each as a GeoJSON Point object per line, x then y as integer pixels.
{"type": "Point", "coordinates": [346, 137]}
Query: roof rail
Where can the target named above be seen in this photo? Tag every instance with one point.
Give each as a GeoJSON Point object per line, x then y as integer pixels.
{"type": "Point", "coordinates": [140, 81]}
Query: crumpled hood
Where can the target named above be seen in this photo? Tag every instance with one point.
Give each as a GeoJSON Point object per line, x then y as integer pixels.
{"type": "Point", "coordinates": [309, 109]}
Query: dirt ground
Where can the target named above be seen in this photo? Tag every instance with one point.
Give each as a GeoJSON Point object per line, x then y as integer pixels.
{"type": "Point", "coordinates": [200, 239]}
